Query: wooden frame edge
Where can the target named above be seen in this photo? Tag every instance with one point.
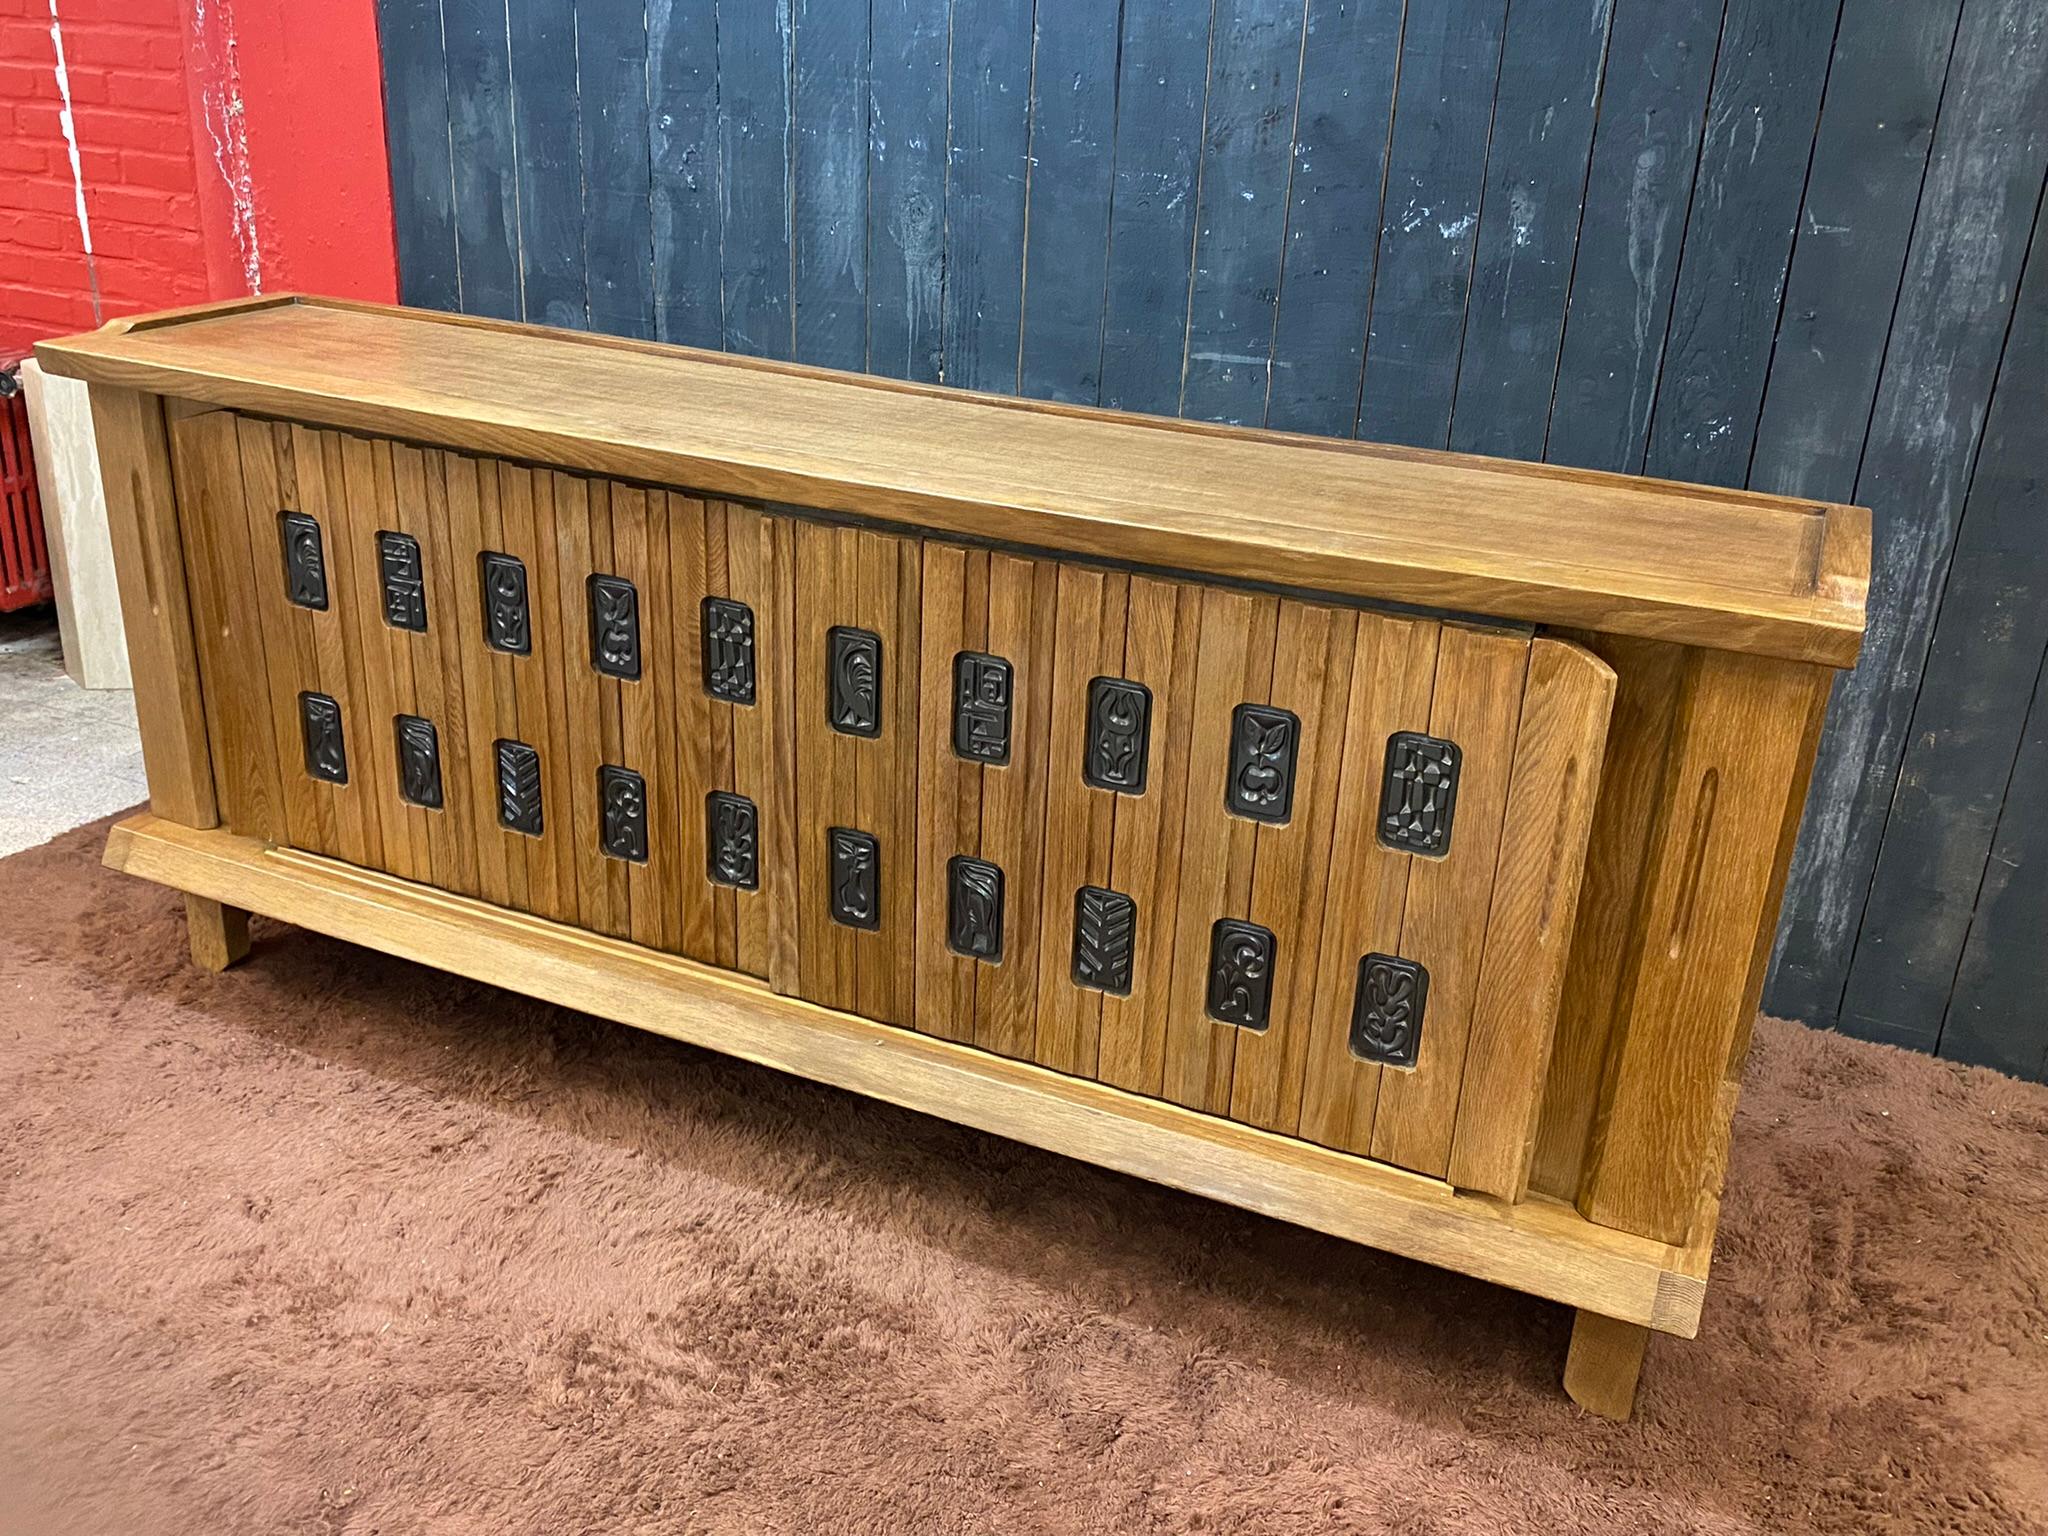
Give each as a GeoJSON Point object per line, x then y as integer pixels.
{"type": "Point", "coordinates": [1540, 1246]}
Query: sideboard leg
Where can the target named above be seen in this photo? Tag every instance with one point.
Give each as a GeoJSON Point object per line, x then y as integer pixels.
{"type": "Point", "coordinates": [220, 935]}
{"type": "Point", "coordinates": [1601, 1367]}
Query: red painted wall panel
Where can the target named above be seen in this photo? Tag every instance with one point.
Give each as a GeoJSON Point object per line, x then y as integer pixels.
{"type": "Point", "coordinates": [222, 148]}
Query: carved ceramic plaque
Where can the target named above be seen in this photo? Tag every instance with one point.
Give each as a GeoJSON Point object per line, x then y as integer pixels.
{"type": "Point", "coordinates": [506, 624]}
{"type": "Point", "coordinates": [1262, 751]}
{"type": "Point", "coordinates": [519, 808]}
{"type": "Point", "coordinates": [1386, 1014]}
{"type": "Point", "coordinates": [853, 681]}
{"type": "Point", "coordinates": [404, 581]}
{"type": "Point", "coordinates": [728, 650]}
{"type": "Point", "coordinates": [419, 761]}
{"type": "Point", "coordinates": [1240, 973]}
{"type": "Point", "coordinates": [320, 725]}
{"type": "Point", "coordinates": [1119, 735]}
{"type": "Point", "coordinates": [981, 707]}
{"type": "Point", "coordinates": [735, 840]}
{"type": "Point", "coordinates": [1420, 793]}
{"type": "Point", "coordinates": [1105, 938]}
{"type": "Point", "coordinates": [856, 878]}
{"type": "Point", "coordinates": [974, 911]}
{"type": "Point", "coordinates": [622, 813]}
{"type": "Point", "coordinates": [305, 561]}
{"type": "Point", "coordinates": [614, 627]}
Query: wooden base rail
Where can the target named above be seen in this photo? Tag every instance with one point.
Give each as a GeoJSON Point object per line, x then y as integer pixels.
{"type": "Point", "coordinates": [1540, 1245]}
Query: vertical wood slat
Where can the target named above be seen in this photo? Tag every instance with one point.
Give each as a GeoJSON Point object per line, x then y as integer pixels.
{"type": "Point", "coordinates": [825, 770]}
{"type": "Point", "coordinates": [435, 696]}
{"type": "Point", "coordinates": [1015, 800]}
{"type": "Point", "coordinates": [365, 505]}
{"type": "Point", "coordinates": [695, 761]}
{"type": "Point", "coordinates": [1234, 666]}
{"type": "Point", "coordinates": [1290, 883]}
{"type": "Point", "coordinates": [526, 507]}
{"type": "Point", "coordinates": [761, 763]}
{"type": "Point", "coordinates": [1554, 784]}
{"type": "Point", "coordinates": [1162, 637]}
{"type": "Point", "coordinates": [1079, 817]}
{"type": "Point", "coordinates": [206, 462]}
{"type": "Point", "coordinates": [582, 542]}
{"type": "Point", "coordinates": [718, 583]}
{"type": "Point", "coordinates": [1392, 680]}
{"type": "Point", "coordinates": [646, 706]}
{"type": "Point", "coordinates": [1478, 703]}
{"type": "Point", "coordinates": [954, 619]}
{"type": "Point", "coordinates": [291, 663]}
{"type": "Point", "coordinates": [445, 623]}
{"type": "Point", "coordinates": [1649, 679]}
{"type": "Point", "coordinates": [490, 706]}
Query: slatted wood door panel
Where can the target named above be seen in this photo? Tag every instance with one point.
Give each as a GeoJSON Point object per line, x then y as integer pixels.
{"type": "Point", "coordinates": [1305, 866]}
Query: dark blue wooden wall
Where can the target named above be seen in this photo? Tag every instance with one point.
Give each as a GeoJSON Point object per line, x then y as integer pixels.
{"type": "Point", "coordinates": [1780, 243]}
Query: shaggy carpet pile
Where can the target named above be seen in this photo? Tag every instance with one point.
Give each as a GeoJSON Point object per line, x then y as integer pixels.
{"type": "Point", "coordinates": [336, 1244]}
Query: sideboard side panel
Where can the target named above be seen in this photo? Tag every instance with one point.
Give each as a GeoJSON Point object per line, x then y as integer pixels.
{"type": "Point", "coordinates": [149, 568]}
{"type": "Point", "coordinates": [1738, 749]}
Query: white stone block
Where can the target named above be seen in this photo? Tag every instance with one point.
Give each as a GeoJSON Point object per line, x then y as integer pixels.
{"type": "Point", "coordinates": [75, 523]}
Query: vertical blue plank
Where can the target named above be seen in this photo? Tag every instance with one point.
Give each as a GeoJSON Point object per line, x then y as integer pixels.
{"type": "Point", "coordinates": [618, 237]}
{"type": "Point", "coordinates": [754, 144]}
{"type": "Point", "coordinates": [1977, 206]}
{"type": "Point", "coordinates": [1073, 133]}
{"type": "Point", "coordinates": [1869, 158]}
{"type": "Point", "coordinates": [1987, 650]}
{"type": "Point", "coordinates": [1529, 224]}
{"type": "Point", "coordinates": [1996, 1016]}
{"type": "Point", "coordinates": [1247, 147]}
{"type": "Point", "coordinates": [907, 185]}
{"type": "Point", "coordinates": [548, 149]}
{"type": "Point", "coordinates": [1644, 153]}
{"type": "Point", "coordinates": [416, 137]}
{"type": "Point", "coordinates": [1436, 173]}
{"type": "Point", "coordinates": [687, 209]}
{"type": "Point", "coordinates": [1761, 119]}
{"type": "Point", "coordinates": [480, 145]}
{"type": "Point", "coordinates": [1333, 220]}
{"type": "Point", "coordinates": [832, 183]}
{"type": "Point", "coordinates": [985, 176]}
{"type": "Point", "coordinates": [1160, 89]}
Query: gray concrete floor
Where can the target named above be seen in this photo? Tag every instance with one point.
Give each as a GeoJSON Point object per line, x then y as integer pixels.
{"type": "Point", "coordinates": [67, 754]}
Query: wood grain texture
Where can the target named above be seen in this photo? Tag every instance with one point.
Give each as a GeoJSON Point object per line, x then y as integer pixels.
{"type": "Point", "coordinates": [1393, 676]}
{"type": "Point", "coordinates": [1312, 666]}
{"type": "Point", "coordinates": [218, 935]}
{"type": "Point", "coordinates": [1555, 783]}
{"type": "Point", "coordinates": [156, 614]}
{"type": "Point", "coordinates": [1540, 1246]}
{"type": "Point", "coordinates": [954, 618]}
{"type": "Point", "coordinates": [1604, 1363]}
{"type": "Point", "coordinates": [1649, 679]}
{"type": "Point", "coordinates": [1480, 677]}
{"type": "Point", "coordinates": [1234, 665]}
{"type": "Point", "coordinates": [1080, 817]}
{"type": "Point", "coordinates": [206, 462]}
{"type": "Point", "coordinates": [1722, 809]}
{"type": "Point", "coordinates": [760, 563]}
{"type": "Point", "coordinates": [1163, 629]}
{"type": "Point", "coordinates": [1546, 545]}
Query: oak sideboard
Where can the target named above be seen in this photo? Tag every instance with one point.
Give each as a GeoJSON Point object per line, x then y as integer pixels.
{"type": "Point", "coordinates": [1387, 841]}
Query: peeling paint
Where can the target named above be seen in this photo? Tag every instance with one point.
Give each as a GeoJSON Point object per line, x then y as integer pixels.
{"type": "Point", "coordinates": [69, 127]}
{"type": "Point", "coordinates": [223, 114]}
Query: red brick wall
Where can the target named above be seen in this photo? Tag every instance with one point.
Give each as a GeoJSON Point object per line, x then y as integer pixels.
{"type": "Point", "coordinates": [125, 60]}
{"type": "Point", "coordinates": [152, 90]}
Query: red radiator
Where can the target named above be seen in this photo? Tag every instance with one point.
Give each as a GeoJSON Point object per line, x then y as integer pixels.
{"type": "Point", "coordinates": [24, 556]}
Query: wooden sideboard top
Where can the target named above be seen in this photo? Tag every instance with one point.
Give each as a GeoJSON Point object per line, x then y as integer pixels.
{"type": "Point", "coordinates": [1727, 569]}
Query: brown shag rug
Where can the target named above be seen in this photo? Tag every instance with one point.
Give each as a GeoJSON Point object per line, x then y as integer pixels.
{"type": "Point", "coordinates": [336, 1244]}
